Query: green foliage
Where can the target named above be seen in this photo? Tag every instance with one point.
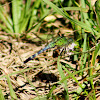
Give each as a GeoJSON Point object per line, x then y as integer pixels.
{"type": "Point", "coordinates": [86, 27]}
{"type": "Point", "coordinates": [24, 16]}
{"type": "Point", "coordinates": [1, 95]}
{"type": "Point", "coordinates": [12, 93]}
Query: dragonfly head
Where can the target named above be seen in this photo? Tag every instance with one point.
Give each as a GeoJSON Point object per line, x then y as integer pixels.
{"type": "Point", "coordinates": [70, 40]}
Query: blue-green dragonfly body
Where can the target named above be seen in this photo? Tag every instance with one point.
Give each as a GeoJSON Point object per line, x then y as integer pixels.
{"type": "Point", "coordinates": [59, 41]}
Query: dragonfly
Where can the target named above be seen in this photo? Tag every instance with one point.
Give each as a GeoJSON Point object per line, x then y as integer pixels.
{"type": "Point", "coordinates": [60, 41]}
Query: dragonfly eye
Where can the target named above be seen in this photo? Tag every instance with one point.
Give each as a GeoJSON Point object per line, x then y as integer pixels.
{"type": "Point", "coordinates": [70, 40]}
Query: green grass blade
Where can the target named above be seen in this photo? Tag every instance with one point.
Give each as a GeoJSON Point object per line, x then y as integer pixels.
{"type": "Point", "coordinates": [95, 54]}
{"type": "Point", "coordinates": [12, 93]}
{"type": "Point", "coordinates": [76, 73]}
{"type": "Point", "coordinates": [97, 9]}
{"type": "Point", "coordinates": [51, 91]}
{"type": "Point", "coordinates": [17, 72]}
{"type": "Point", "coordinates": [24, 24]}
{"type": "Point", "coordinates": [81, 85]}
{"type": "Point", "coordinates": [34, 11]}
{"type": "Point", "coordinates": [1, 95]}
{"type": "Point", "coordinates": [25, 16]}
{"type": "Point", "coordinates": [62, 76]}
{"type": "Point", "coordinates": [81, 24]}
{"type": "Point", "coordinates": [5, 28]}
{"type": "Point", "coordinates": [16, 10]}
{"type": "Point", "coordinates": [74, 8]}
{"type": "Point", "coordinates": [6, 19]}
{"type": "Point", "coordinates": [84, 56]}
{"type": "Point", "coordinates": [27, 6]}
{"type": "Point", "coordinates": [85, 14]}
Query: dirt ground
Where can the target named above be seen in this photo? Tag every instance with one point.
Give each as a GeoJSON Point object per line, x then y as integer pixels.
{"type": "Point", "coordinates": [36, 77]}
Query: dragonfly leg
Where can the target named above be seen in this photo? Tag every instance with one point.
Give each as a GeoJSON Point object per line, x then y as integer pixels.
{"type": "Point", "coordinates": [62, 49]}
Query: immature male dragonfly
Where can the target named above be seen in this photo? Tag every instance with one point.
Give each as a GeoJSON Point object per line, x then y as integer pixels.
{"type": "Point", "coordinates": [60, 41]}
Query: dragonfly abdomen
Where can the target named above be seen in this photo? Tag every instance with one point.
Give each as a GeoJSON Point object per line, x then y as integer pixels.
{"type": "Point", "coordinates": [60, 41]}
{"type": "Point", "coordinates": [33, 56]}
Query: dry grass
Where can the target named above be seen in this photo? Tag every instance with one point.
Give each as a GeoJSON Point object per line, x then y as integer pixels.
{"type": "Point", "coordinates": [40, 74]}
{"type": "Point", "coordinates": [36, 77]}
